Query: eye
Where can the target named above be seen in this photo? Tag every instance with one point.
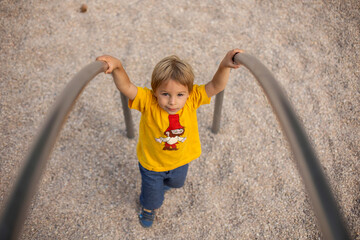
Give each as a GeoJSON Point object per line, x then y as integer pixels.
{"type": "Point", "coordinates": [180, 94]}
{"type": "Point", "coordinates": [165, 94]}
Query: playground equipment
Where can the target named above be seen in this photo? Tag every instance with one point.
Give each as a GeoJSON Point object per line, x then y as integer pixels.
{"type": "Point", "coordinates": [324, 204]}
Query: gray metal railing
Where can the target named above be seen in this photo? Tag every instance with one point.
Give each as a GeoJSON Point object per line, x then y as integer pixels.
{"type": "Point", "coordinates": [13, 215]}
{"type": "Point", "coordinates": [324, 204]}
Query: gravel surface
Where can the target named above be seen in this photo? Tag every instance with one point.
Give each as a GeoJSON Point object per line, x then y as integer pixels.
{"type": "Point", "coordinates": [246, 184]}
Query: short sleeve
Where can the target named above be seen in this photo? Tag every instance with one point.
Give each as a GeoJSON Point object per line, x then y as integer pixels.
{"type": "Point", "coordinates": [143, 97]}
{"type": "Point", "coordinates": [198, 97]}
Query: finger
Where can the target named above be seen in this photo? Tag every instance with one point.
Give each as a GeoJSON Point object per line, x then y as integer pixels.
{"type": "Point", "coordinates": [110, 69]}
{"type": "Point", "coordinates": [235, 52]}
{"type": "Point", "coordinates": [101, 58]}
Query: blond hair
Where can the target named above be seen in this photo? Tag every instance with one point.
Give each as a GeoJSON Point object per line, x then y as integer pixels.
{"type": "Point", "coordinates": [173, 68]}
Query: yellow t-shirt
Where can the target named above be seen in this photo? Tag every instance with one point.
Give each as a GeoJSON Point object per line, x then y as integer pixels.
{"type": "Point", "coordinates": [168, 141]}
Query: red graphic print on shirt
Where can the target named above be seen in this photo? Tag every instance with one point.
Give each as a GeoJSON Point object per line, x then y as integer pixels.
{"type": "Point", "coordinates": [172, 133]}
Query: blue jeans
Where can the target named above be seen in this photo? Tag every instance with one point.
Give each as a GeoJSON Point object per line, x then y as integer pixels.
{"type": "Point", "coordinates": [153, 184]}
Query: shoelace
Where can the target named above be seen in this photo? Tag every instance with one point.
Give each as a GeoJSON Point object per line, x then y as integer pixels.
{"type": "Point", "coordinates": [149, 216]}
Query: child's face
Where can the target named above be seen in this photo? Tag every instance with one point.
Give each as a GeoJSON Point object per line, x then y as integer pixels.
{"type": "Point", "coordinates": [172, 96]}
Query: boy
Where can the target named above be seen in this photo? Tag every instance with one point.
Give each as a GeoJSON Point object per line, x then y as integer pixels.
{"type": "Point", "coordinates": [168, 131]}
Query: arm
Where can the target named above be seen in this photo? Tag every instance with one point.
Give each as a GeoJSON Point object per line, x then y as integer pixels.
{"type": "Point", "coordinates": [120, 76]}
{"type": "Point", "coordinates": [161, 139]}
{"type": "Point", "coordinates": [221, 77]}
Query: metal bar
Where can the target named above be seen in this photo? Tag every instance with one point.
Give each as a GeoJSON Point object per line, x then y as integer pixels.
{"type": "Point", "coordinates": [127, 115]}
{"type": "Point", "coordinates": [217, 112]}
{"type": "Point", "coordinates": [13, 216]}
{"type": "Point", "coordinates": [326, 209]}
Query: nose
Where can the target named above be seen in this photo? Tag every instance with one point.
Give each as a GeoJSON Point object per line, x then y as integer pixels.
{"type": "Point", "coordinates": [172, 101]}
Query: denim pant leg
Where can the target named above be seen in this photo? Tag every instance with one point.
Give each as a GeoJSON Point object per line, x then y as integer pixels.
{"type": "Point", "coordinates": [152, 188]}
{"type": "Point", "coordinates": [176, 178]}
{"type": "Point", "coordinates": [152, 185]}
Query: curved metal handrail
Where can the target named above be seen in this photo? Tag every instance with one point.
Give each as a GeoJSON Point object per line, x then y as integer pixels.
{"type": "Point", "coordinates": [14, 212]}
{"type": "Point", "coordinates": [324, 204]}
{"type": "Point", "coordinates": [326, 209]}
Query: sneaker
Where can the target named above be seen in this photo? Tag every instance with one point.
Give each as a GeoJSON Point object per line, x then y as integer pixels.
{"type": "Point", "coordinates": [146, 217]}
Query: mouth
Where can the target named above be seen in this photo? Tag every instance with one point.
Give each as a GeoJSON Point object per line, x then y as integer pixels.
{"type": "Point", "coordinates": [172, 109]}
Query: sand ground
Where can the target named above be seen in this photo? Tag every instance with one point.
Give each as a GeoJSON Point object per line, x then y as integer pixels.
{"type": "Point", "coordinates": [246, 184]}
